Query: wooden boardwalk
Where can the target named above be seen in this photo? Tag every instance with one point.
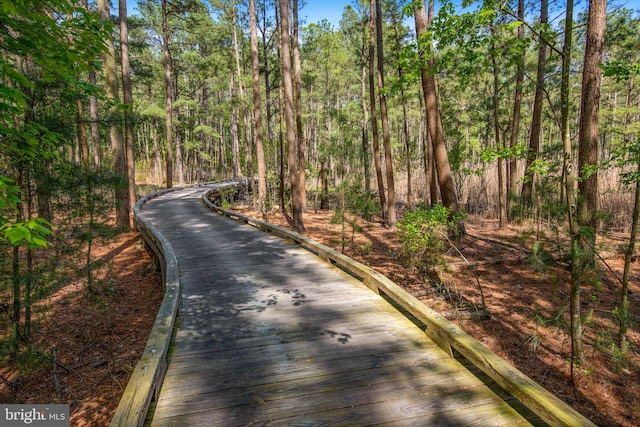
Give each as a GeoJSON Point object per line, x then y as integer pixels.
{"type": "Point", "coordinates": [268, 335]}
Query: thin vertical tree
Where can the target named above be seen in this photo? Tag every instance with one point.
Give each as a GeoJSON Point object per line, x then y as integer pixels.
{"type": "Point", "coordinates": [128, 108]}
{"type": "Point", "coordinates": [115, 133]}
{"type": "Point", "coordinates": [168, 85]}
{"type": "Point", "coordinates": [497, 130]}
{"type": "Point", "coordinates": [588, 132]}
{"type": "Point", "coordinates": [297, 89]}
{"type": "Point", "coordinates": [289, 113]}
{"type": "Point", "coordinates": [257, 110]}
{"type": "Point", "coordinates": [536, 115]}
{"type": "Point", "coordinates": [391, 218]}
{"type": "Point", "coordinates": [377, 155]}
{"type": "Point", "coordinates": [94, 126]}
{"type": "Point", "coordinates": [577, 352]}
{"type": "Point", "coordinates": [512, 182]}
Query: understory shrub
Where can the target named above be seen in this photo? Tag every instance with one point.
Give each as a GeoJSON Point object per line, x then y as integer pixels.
{"type": "Point", "coordinates": [423, 235]}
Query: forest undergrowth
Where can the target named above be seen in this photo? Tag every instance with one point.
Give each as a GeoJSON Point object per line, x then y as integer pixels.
{"type": "Point", "coordinates": [98, 336]}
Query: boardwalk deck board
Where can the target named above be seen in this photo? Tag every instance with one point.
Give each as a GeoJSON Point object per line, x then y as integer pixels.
{"type": "Point", "coordinates": [270, 335]}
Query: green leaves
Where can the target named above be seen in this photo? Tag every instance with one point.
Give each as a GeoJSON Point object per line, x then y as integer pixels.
{"type": "Point", "coordinates": [32, 232]}
{"type": "Point", "coordinates": [620, 71]}
{"type": "Point", "coordinates": [423, 233]}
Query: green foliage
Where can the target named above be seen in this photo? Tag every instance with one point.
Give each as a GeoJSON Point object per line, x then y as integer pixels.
{"type": "Point", "coordinates": [32, 232]}
{"type": "Point", "coordinates": [540, 258]}
{"type": "Point", "coordinates": [620, 71]}
{"type": "Point", "coordinates": [423, 234]}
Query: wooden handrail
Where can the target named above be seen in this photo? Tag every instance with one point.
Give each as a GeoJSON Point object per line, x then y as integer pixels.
{"type": "Point", "coordinates": [532, 395]}
{"type": "Point", "coordinates": [147, 376]}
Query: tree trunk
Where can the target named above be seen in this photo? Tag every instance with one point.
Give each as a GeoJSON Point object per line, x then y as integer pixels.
{"type": "Point", "coordinates": [289, 112]}
{"type": "Point", "coordinates": [257, 111]}
{"type": "Point", "coordinates": [93, 111]}
{"type": "Point", "coordinates": [536, 120]}
{"type": "Point", "coordinates": [117, 142]}
{"type": "Point", "coordinates": [82, 134]}
{"type": "Point", "coordinates": [384, 119]}
{"type": "Point", "coordinates": [168, 83]}
{"type": "Point", "coordinates": [297, 76]}
{"type": "Point", "coordinates": [179, 160]}
{"type": "Point", "coordinates": [496, 128]}
{"type": "Point", "coordinates": [512, 183]}
{"type": "Point", "coordinates": [243, 110]}
{"type": "Point", "coordinates": [155, 157]}
{"type": "Point", "coordinates": [267, 79]}
{"type": "Point", "coordinates": [577, 353]}
{"type": "Point", "coordinates": [128, 112]}
{"type": "Point", "coordinates": [377, 158]}
{"type": "Point", "coordinates": [623, 310]}
{"type": "Point", "coordinates": [93, 117]}
{"type": "Point", "coordinates": [434, 120]}
{"type": "Point", "coordinates": [365, 122]}
{"type": "Point", "coordinates": [588, 133]}
{"type": "Point", "coordinates": [235, 139]}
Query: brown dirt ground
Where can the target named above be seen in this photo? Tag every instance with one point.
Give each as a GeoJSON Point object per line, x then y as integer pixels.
{"type": "Point", "coordinates": [98, 346]}
{"type": "Point", "coordinates": [98, 339]}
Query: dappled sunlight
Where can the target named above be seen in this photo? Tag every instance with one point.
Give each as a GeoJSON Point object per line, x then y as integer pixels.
{"type": "Point", "coordinates": [268, 333]}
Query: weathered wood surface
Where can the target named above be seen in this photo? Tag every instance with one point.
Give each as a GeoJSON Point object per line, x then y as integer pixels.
{"type": "Point", "coordinates": [269, 335]}
{"type": "Point", "coordinates": [449, 337]}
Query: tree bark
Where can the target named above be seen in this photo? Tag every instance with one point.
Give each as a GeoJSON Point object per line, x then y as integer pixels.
{"type": "Point", "coordinates": [536, 120]}
{"type": "Point", "coordinates": [512, 183]}
{"type": "Point", "coordinates": [117, 142]}
{"type": "Point", "coordinates": [128, 112]}
{"type": "Point", "coordinates": [384, 119]}
{"type": "Point", "coordinates": [168, 84]}
{"type": "Point", "coordinates": [235, 139]}
{"type": "Point", "coordinates": [496, 128]}
{"type": "Point", "coordinates": [434, 120]}
{"type": "Point", "coordinates": [297, 76]}
{"type": "Point", "coordinates": [82, 133]}
{"type": "Point", "coordinates": [588, 133]}
{"type": "Point", "coordinates": [257, 111]}
{"type": "Point", "coordinates": [405, 124]}
{"type": "Point", "coordinates": [377, 158]}
{"type": "Point", "coordinates": [94, 127]}
{"type": "Point", "coordinates": [577, 352]}
{"type": "Point", "coordinates": [289, 112]}
{"type": "Point", "coordinates": [365, 122]}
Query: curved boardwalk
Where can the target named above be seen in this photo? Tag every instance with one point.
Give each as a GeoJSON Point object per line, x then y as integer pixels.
{"type": "Point", "coordinates": [268, 334]}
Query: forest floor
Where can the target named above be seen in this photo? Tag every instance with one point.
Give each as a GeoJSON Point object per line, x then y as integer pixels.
{"type": "Point", "coordinates": [99, 339]}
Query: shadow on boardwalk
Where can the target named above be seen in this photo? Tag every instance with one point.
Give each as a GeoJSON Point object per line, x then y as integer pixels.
{"type": "Point", "coordinates": [270, 335]}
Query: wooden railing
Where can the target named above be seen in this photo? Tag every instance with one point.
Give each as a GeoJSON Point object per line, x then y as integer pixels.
{"type": "Point", "coordinates": [147, 376]}
{"type": "Point", "coordinates": [447, 335]}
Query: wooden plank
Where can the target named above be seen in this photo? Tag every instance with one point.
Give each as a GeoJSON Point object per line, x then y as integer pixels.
{"type": "Point", "coordinates": [385, 403]}
{"type": "Point", "coordinates": [191, 379]}
{"type": "Point", "coordinates": [350, 389]}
